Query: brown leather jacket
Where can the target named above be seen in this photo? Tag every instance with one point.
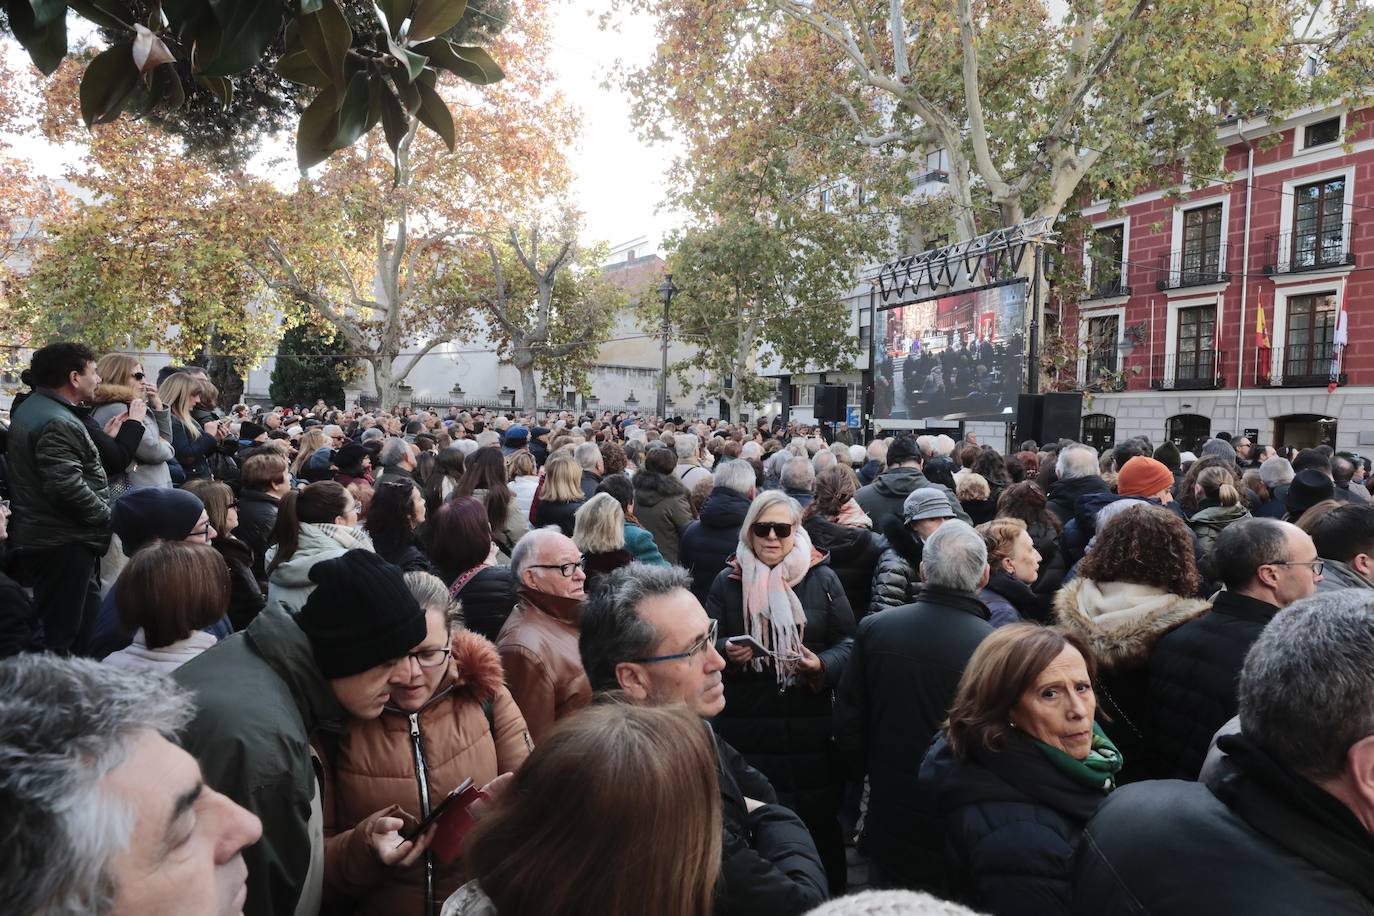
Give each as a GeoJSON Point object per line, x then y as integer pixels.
{"type": "Point", "coordinates": [374, 766]}
{"type": "Point", "coordinates": [538, 646]}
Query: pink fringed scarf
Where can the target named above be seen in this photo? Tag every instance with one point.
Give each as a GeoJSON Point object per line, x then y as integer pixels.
{"type": "Point", "coordinates": [772, 613]}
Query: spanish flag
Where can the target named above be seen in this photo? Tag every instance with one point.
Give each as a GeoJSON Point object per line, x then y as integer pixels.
{"type": "Point", "coordinates": [1263, 347]}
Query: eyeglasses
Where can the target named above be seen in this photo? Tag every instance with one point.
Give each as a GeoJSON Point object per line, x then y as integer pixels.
{"type": "Point", "coordinates": [233, 505]}
{"type": "Point", "coordinates": [1315, 565]}
{"type": "Point", "coordinates": [200, 533]}
{"type": "Point", "coordinates": [762, 529]}
{"type": "Point", "coordinates": [138, 376]}
{"type": "Point", "coordinates": [430, 658]}
{"type": "Point", "coordinates": [566, 569]}
{"type": "Point", "coordinates": [698, 647]}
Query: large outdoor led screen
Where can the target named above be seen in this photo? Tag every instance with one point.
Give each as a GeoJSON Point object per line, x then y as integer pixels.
{"type": "Point", "coordinates": [955, 357]}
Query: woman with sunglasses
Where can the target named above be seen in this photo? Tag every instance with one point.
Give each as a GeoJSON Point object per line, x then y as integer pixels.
{"type": "Point", "coordinates": [450, 720]}
{"type": "Point", "coordinates": [782, 594]}
{"type": "Point", "coordinates": [121, 383]}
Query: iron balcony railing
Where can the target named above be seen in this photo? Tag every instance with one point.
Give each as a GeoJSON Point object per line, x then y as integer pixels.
{"type": "Point", "coordinates": [1199, 266]}
{"type": "Point", "coordinates": [1098, 370]}
{"type": "Point", "coordinates": [1302, 250]}
{"type": "Point", "coordinates": [1107, 289]}
{"type": "Point", "coordinates": [1182, 371]}
{"type": "Point", "coordinates": [1297, 366]}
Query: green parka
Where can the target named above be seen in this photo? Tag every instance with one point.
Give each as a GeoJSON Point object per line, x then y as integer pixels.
{"type": "Point", "coordinates": [61, 494]}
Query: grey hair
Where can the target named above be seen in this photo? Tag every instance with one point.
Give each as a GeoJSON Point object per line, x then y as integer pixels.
{"type": "Point", "coordinates": [611, 630]}
{"type": "Point", "coordinates": [599, 525]}
{"type": "Point", "coordinates": [527, 549]}
{"type": "Point", "coordinates": [371, 434]}
{"type": "Point", "coordinates": [955, 557]}
{"type": "Point", "coordinates": [466, 446]}
{"type": "Point", "coordinates": [858, 455]}
{"type": "Point", "coordinates": [687, 445]}
{"type": "Point", "coordinates": [877, 449]}
{"type": "Point", "coordinates": [1276, 471]}
{"type": "Point", "coordinates": [432, 594]}
{"type": "Point", "coordinates": [762, 503]}
{"type": "Point", "coordinates": [751, 449]}
{"type": "Point", "coordinates": [64, 725]}
{"type": "Point", "coordinates": [1076, 460]}
{"type": "Point", "coordinates": [394, 451]}
{"type": "Point", "coordinates": [735, 475]}
{"type": "Point", "coordinates": [1307, 688]}
{"type": "Point", "coordinates": [588, 454]}
{"type": "Point", "coordinates": [823, 460]}
{"type": "Point", "coordinates": [488, 438]}
{"type": "Point", "coordinates": [798, 474]}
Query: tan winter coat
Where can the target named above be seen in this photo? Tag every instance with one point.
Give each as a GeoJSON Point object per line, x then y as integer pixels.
{"type": "Point", "coordinates": [374, 767]}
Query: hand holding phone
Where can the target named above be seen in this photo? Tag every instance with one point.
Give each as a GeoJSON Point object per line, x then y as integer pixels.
{"type": "Point", "coordinates": [451, 820]}
{"type": "Point", "coordinates": [742, 649]}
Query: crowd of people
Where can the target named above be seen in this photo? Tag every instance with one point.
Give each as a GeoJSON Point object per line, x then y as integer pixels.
{"type": "Point", "coordinates": [668, 667]}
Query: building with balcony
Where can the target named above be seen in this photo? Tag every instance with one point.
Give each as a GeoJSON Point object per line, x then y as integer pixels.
{"type": "Point", "coordinates": [1166, 332]}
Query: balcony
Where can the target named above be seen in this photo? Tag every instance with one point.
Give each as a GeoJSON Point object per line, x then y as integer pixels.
{"type": "Point", "coordinates": [937, 176]}
{"type": "Point", "coordinates": [1193, 267]}
{"type": "Point", "coordinates": [1298, 252]}
{"type": "Point", "coordinates": [1097, 370]}
{"type": "Point", "coordinates": [1106, 289]}
{"type": "Point", "coordinates": [1187, 371]}
{"type": "Point", "coordinates": [1300, 366]}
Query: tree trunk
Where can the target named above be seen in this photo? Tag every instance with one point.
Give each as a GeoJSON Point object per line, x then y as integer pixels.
{"type": "Point", "coordinates": [529, 391]}
{"type": "Point", "coordinates": [388, 386]}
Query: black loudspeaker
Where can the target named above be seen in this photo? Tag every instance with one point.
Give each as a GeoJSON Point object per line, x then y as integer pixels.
{"type": "Point", "coordinates": [831, 401]}
{"type": "Point", "coordinates": [1029, 409]}
{"type": "Point", "coordinates": [1061, 417]}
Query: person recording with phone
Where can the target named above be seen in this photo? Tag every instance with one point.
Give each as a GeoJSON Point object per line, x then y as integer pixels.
{"type": "Point", "coordinates": [782, 592]}
{"type": "Point", "coordinates": [124, 389]}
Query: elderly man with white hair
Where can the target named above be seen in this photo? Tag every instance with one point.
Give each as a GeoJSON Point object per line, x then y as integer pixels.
{"type": "Point", "coordinates": [897, 690]}
{"type": "Point", "coordinates": [690, 470]}
{"type": "Point", "coordinates": [1079, 475]}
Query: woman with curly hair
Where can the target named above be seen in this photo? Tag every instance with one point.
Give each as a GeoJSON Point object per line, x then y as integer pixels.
{"type": "Point", "coordinates": [1138, 581]}
{"type": "Point", "coordinates": [1027, 502]}
{"type": "Point", "coordinates": [840, 528]}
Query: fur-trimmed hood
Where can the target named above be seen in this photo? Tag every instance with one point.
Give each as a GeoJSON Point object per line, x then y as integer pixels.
{"type": "Point", "coordinates": [106, 393]}
{"type": "Point", "coordinates": [652, 488]}
{"type": "Point", "coordinates": [1121, 621]}
{"type": "Point", "coordinates": [474, 667]}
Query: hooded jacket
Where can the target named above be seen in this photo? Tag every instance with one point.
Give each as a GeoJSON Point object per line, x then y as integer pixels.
{"type": "Point", "coordinates": [1009, 600]}
{"type": "Point", "coordinates": [710, 541]}
{"type": "Point", "coordinates": [288, 585]}
{"type": "Point", "coordinates": [60, 492]}
{"type": "Point", "coordinates": [470, 727]}
{"type": "Point", "coordinates": [1121, 622]}
{"type": "Point", "coordinates": [1211, 520]}
{"type": "Point", "coordinates": [149, 467]}
{"type": "Point", "coordinates": [1011, 824]}
{"type": "Point", "coordinates": [663, 508]}
{"type": "Point", "coordinates": [895, 694]}
{"type": "Point", "coordinates": [164, 660]}
{"type": "Point", "coordinates": [884, 496]}
{"type": "Point", "coordinates": [260, 698]}
{"type": "Point", "coordinates": [853, 554]}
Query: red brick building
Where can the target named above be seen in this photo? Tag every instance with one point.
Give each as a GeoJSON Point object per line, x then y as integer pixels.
{"type": "Point", "coordinates": [1167, 340]}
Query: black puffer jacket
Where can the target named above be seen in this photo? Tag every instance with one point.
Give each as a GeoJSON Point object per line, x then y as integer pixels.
{"type": "Point", "coordinates": [257, 527]}
{"type": "Point", "coordinates": [1011, 825]}
{"type": "Point", "coordinates": [1053, 568]}
{"type": "Point", "coordinates": [246, 597]}
{"type": "Point", "coordinates": [787, 734]}
{"type": "Point", "coordinates": [487, 599]}
{"type": "Point", "coordinates": [1252, 838]}
{"type": "Point", "coordinates": [1063, 496]}
{"type": "Point", "coordinates": [894, 696]}
{"type": "Point", "coordinates": [854, 554]}
{"type": "Point", "coordinates": [896, 577]}
{"type": "Point", "coordinates": [1194, 672]}
{"type": "Point", "coordinates": [710, 541]}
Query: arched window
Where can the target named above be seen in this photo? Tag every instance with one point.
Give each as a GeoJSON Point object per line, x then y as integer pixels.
{"type": "Point", "coordinates": [1188, 430]}
{"type": "Point", "coordinates": [1099, 431]}
{"type": "Point", "coordinates": [1305, 430]}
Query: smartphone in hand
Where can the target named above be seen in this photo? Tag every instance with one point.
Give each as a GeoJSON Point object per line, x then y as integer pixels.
{"type": "Point", "coordinates": [451, 821]}
{"type": "Point", "coordinates": [747, 640]}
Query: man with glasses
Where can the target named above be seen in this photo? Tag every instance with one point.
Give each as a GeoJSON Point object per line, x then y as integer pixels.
{"type": "Point", "coordinates": [262, 694]}
{"type": "Point", "coordinates": [538, 642]}
{"type": "Point", "coordinates": [646, 635]}
{"type": "Point", "coordinates": [1265, 565]}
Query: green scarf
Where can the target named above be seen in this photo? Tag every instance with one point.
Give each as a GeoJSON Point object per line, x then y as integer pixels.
{"type": "Point", "coordinates": [1098, 771]}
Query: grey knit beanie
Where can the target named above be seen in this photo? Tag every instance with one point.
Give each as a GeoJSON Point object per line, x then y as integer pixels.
{"type": "Point", "coordinates": [891, 903]}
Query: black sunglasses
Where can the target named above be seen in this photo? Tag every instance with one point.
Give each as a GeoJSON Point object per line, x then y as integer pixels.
{"type": "Point", "coordinates": [761, 529]}
{"type": "Point", "coordinates": [138, 376]}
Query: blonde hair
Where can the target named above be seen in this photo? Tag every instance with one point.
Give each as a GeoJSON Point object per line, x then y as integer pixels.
{"type": "Point", "coordinates": [599, 525]}
{"type": "Point", "coordinates": [312, 440]}
{"type": "Point", "coordinates": [562, 479]}
{"type": "Point", "coordinates": [178, 390]}
{"type": "Point", "coordinates": [973, 486]}
{"type": "Point", "coordinates": [116, 368]}
{"type": "Point", "coordinates": [520, 464]}
{"type": "Point", "coordinates": [1000, 535]}
{"type": "Point", "coordinates": [1220, 484]}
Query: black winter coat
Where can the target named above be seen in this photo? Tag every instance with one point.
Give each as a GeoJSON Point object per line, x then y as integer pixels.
{"type": "Point", "coordinates": [1011, 825]}
{"type": "Point", "coordinates": [769, 865]}
{"type": "Point", "coordinates": [1194, 672]}
{"type": "Point", "coordinates": [16, 618]}
{"type": "Point", "coordinates": [883, 498]}
{"type": "Point", "coordinates": [1252, 838]}
{"type": "Point", "coordinates": [257, 527]}
{"type": "Point", "coordinates": [787, 734]}
{"type": "Point", "coordinates": [1053, 568]}
{"type": "Point", "coordinates": [894, 696]}
{"type": "Point", "coordinates": [710, 541]}
{"type": "Point", "coordinates": [896, 577]}
{"type": "Point", "coordinates": [1063, 496]}
{"type": "Point", "coordinates": [854, 554]}
{"type": "Point", "coordinates": [246, 597]}
{"type": "Point", "coordinates": [487, 599]}
{"type": "Point", "coordinates": [557, 513]}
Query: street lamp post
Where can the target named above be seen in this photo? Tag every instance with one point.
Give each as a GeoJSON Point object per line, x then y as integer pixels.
{"type": "Point", "coordinates": [665, 293]}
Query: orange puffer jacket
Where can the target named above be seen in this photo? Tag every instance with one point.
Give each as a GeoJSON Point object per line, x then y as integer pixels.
{"type": "Point", "coordinates": [471, 727]}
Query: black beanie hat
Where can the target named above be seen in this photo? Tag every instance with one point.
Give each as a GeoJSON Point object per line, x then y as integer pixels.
{"type": "Point", "coordinates": [350, 457]}
{"type": "Point", "coordinates": [360, 615]}
{"type": "Point", "coordinates": [250, 430]}
{"type": "Point", "coordinates": [1169, 456]}
{"type": "Point", "coordinates": [1308, 488]}
{"type": "Point", "coordinates": [148, 513]}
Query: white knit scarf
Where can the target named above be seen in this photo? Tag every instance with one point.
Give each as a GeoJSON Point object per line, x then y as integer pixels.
{"type": "Point", "coordinates": [772, 613]}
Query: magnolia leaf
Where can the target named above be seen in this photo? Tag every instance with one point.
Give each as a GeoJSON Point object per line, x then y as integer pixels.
{"type": "Point", "coordinates": [46, 12]}
{"type": "Point", "coordinates": [107, 84]}
{"type": "Point", "coordinates": [392, 13]}
{"type": "Point", "coordinates": [246, 28]}
{"type": "Point", "coordinates": [311, 6]}
{"type": "Point", "coordinates": [410, 96]}
{"type": "Point", "coordinates": [472, 64]}
{"type": "Point", "coordinates": [352, 112]}
{"type": "Point", "coordinates": [327, 38]}
{"type": "Point", "coordinates": [435, 115]}
{"type": "Point", "coordinates": [318, 127]}
{"type": "Point", "coordinates": [149, 51]}
{"type": "Point", "coordinates": [435, 17]}
{"type": "Point", "coordinates": [101, 15]}
{"type": "Point", "coordinates": [395, 122]}
{"type": "Point", "coordinates": [165, 90]}
{"type": "Point", "coordinates": [299, 68]}
{"type": "Point", "coordinates": [46, 43]}
{"type": "Point", "coordinates": [222, 88]}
